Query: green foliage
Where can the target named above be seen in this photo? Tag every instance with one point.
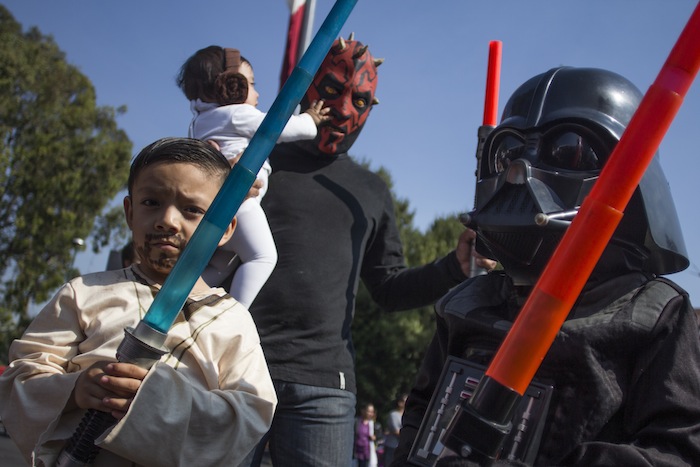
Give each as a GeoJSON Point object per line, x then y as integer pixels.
{"type": "Point", "coordinates": [390, 346]}
{"type": "Point", "coordinates": [62, 159]}
{"type": "Point", "coordinates": [110, 228]}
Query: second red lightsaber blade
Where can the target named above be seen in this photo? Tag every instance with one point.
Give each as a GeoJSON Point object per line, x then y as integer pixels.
{"type": "Point", "coordinates": [493, 78]}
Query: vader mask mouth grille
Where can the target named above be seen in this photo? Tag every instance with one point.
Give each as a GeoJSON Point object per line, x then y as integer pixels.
{"type": "Point", "coordinates": [512, 207]}
{"type": "Point", "coordinates": [513, 200]}
{"type": "Point", "coordinates": [525, 248]}
{"type": "Point", "coordinates": [507, 227]}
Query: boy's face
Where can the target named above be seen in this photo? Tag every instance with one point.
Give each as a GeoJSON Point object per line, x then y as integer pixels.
{"type": "Point", "coordinates": [167, 202]}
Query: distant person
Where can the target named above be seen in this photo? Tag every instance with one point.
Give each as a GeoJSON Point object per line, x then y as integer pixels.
{"type": "Point", "coordinates": [334, 224]}
{"type": "Point", "coordinates": [220, 85]}
{"type": "Point", "coordinates": [210, 397]}
{"type": "Point", "coordinates": [393, 428]}
{"type": "Point", "coordinates": [364, 451]}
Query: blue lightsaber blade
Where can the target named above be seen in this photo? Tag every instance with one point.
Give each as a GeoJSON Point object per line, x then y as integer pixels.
{"type": "Point", "coordinates": [200, 249]}
{"type": "Point", "coordinates": [144, 345]}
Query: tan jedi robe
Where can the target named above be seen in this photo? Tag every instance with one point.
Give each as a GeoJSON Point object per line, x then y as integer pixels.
{"type": "Point", "coordinates": [207, 402]}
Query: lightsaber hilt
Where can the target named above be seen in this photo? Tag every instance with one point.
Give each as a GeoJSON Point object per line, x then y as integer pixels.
{"type": "Point", "coordinates": [481, 424]}
{"type": "Point", "coordinates": [142, 346]}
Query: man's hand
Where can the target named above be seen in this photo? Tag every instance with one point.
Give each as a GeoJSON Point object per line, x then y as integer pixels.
{"type": "Point", "coordinates": [257, 184]}
{"type": "Point", "coordinates": [255, 189]}
{"type": "Point", "coordinates": [108, 387]}
{"type": "Point", "coordinates": [465, 251]}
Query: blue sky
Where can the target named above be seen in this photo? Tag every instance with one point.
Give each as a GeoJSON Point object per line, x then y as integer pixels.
{"type": "Point", "coordinates": [431, 85]}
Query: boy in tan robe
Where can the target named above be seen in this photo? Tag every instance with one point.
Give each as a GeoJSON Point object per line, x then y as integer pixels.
{"type": "Point", "coordinates": [207, 401]}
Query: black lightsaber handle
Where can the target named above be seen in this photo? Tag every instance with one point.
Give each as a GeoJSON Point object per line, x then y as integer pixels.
{"type": "Point", "coordinates": [142, 347]}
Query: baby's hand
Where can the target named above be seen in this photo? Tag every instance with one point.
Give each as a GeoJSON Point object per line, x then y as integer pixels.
{"type": "Point", "coordinates": [318, 112]}
{"type": "Point", "coordinates": [108, 387]}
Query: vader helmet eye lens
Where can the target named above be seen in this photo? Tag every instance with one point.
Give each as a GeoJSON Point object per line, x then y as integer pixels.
{"type": "Point", "coordinates": [506, 149]}
{"type": "Point", "coordinates": [571, 151]}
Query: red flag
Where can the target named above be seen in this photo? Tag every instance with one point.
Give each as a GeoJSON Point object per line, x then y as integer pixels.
{"type": "Point", "coordinates": [295, 39]}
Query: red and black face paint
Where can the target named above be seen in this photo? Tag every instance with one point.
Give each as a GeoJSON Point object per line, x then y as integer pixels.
{"type": "Point", "coordinates": [346, 81]}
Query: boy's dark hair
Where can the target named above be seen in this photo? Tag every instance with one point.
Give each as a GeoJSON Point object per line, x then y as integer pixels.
{"type": "Point", "coordinates": [209, 76]}
{"type": "Point", "coordinates": [183, 150]}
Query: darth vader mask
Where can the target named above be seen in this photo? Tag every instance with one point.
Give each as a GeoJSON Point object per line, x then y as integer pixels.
{"type": "Point", "coordinates": [557, 131]}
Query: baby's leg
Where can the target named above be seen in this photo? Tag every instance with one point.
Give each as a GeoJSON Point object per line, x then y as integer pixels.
{"type": "Point", "coordinates": [252, 241]}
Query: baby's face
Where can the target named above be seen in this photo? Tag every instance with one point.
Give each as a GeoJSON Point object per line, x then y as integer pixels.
{"type": "Point", "coordinates": [167, 203]}
{"type": "Point", "coordinates": [252, 98]}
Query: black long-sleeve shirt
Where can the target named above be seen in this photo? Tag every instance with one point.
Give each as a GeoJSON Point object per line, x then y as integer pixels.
{"type": "Point", "coordinates": [333, 223]}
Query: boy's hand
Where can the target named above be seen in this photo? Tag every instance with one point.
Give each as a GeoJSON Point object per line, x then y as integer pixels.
{"type": "Point", "coordinates": [318, 112]}
{"type": "Point", "coordinates": [108, 387]}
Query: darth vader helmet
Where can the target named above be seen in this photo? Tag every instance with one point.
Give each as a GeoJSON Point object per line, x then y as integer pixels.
{"type": "Point", "coordinates": [541, 161]}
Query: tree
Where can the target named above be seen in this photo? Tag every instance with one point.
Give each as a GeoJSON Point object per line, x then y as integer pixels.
{"type": "Point", "coordinates": [62, 159]}
{"type": "Point", "coordinates": [390, 346]}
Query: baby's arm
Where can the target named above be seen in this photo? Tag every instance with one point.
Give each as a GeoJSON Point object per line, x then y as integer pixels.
{"type": "Point", "coordinates": [305, 126]}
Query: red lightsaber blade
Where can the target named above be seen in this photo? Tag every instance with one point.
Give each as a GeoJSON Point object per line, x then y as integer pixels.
{"type": "Point", "coordinates": [493, 78]}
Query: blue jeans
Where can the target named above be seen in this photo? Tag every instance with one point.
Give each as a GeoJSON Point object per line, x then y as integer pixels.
{"type": "Point", "coordinates": [313, 426]}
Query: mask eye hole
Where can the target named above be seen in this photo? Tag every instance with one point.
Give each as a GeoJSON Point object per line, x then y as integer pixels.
{"type": "Point", "coordinates": [505, 149]}
{"type": "Point", "coordinates": [330, 91]}
{"type": "Point", "coordinates": [570, 150]}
